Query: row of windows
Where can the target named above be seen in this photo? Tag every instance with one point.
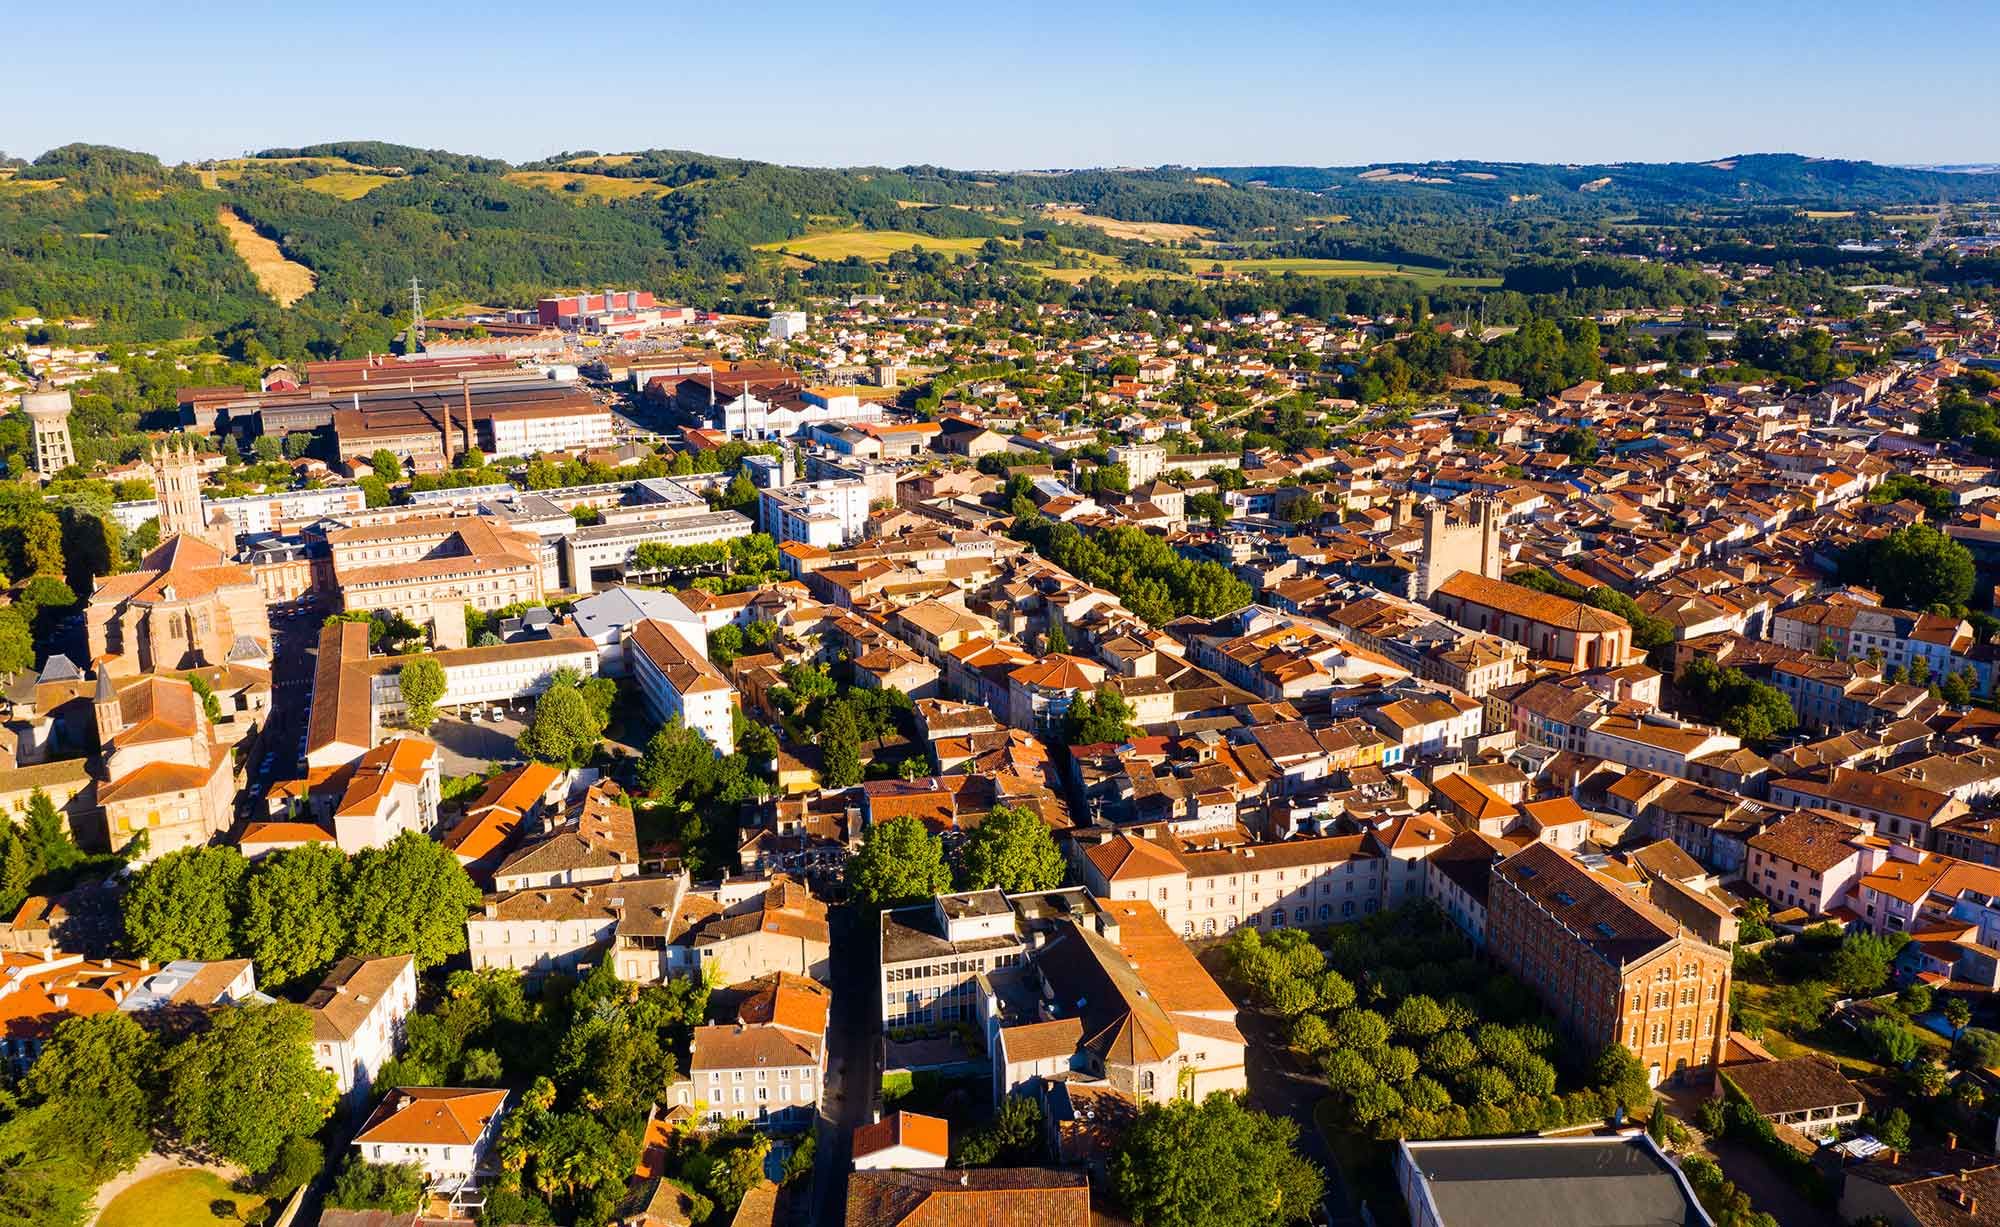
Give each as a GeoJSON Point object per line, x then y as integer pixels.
{"type": "Point", "coordinates": [1656, 1033]}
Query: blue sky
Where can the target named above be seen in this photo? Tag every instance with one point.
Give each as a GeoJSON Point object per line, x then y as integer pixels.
{"type": "Point", "coordinates": [1005, 86]}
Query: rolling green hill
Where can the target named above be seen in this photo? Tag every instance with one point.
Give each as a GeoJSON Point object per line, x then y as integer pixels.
{"type": "Point", "coordinates": [1747, 179]}
{"type": "Point", "coordinates": [338, 229]}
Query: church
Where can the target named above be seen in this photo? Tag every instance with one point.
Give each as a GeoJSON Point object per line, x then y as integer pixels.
{"type": "Point", "coordinates": [188, 603]}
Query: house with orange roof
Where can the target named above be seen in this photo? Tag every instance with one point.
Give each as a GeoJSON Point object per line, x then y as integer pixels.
{"type": "Point", "coordinates": [595, 839]}
{"type": "Point", "coordinates": [168, 775]}
{"type": "Point", "coordinates": [42, 990]}
{"type": "Point", "coordinates": [902, 1140]}
{"type": "Point", "coordinates": [446, 1131]}
{"type": "Point", "coordinates": [392, 789]}
{"type": "Point", "coordinates": [1118, 1000]}
{"type": "Point", "coordinates": [678, 683]}
{"type": "Point", "coordinates": [987, 1197]}
{"type": "Point", "coordinates": [766, 1067]}
{"type": "Point", "coordinates": [492, 819]}
{"type": "Point", "coordinates": [1039, 695]}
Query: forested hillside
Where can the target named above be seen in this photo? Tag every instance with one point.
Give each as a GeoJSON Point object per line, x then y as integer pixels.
{"type": "Point", "coordinates": [142, 250]}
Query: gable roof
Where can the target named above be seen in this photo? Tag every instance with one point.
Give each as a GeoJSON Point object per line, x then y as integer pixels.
{"type": "Point", "coordinates": [432, 1116]}
{"type": "Point", "coordinates": [928, 1134]}
{"type": "Point", "coordinates": [970, 1197]}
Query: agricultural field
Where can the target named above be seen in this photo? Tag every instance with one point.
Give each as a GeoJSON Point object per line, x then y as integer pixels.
{"type": "Point", "coordinates": [608, 159]}
{"type": "Point", "coordinates": [283, 279]}
{"type": "Point", "coordinates": [1116, 276]}
{"type": "Point", "coordinates": [872, 245]}
{"type": "Point", "coordinates": [1305, 267]}
{"type": "Point", "coordinates": [346, 184]}
{"type": "Point", "coordinates": [603, 187]}
{"type": "Point", "coordinates": [1144, 232]}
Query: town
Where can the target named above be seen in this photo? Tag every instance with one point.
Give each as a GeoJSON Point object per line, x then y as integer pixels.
{"type": "Point", "coordinates": [878, 756]}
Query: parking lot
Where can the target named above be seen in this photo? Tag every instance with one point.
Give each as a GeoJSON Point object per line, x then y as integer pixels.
{"type": "Point", "coordinates": [471, 745]}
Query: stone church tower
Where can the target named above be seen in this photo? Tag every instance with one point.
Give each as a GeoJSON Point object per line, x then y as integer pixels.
{"type": "Point", "coordinates": [1450, 547]}
{"type": "Point", "coordinates": [177, 481]}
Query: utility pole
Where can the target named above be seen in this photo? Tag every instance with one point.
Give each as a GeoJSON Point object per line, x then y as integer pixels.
{"type": "Point", "coordinates": [416, 336]}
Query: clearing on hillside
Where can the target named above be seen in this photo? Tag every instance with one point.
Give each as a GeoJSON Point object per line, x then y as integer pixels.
{"type": "Point", "coordinates": [874, 245]}
{"type": "Point", "coordinates": [1144, 232]}
{"type": "Point", "coordinates": [346, 184]}
{"type": "Point", "coordinates": [283, 279]}
{"type": "Point", "coordinates": [605, 187]}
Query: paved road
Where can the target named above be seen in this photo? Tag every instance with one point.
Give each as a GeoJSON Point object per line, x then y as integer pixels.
{"type": "Point", "coordinates": [852, 1078]}
{"type": "Point", "coordinates": [1275, 1087]}
{"type": "Point", "coordinates": [292, 643]}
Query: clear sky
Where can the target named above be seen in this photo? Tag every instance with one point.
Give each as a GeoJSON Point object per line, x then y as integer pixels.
{"type": "Point", "coordinates": [997, 85]}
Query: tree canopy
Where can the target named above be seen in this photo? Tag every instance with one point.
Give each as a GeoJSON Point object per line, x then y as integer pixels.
{"type": "Point", "coordinates": [421, 684]}
{"type": "Point", "coordinates": [248, 1082]}
{"type": "Point", "coordinates": [1011, 849]}
{"type": "Point", "coordinates": [1213, 1164]}
{"type": "Point", "coordinates": [898, 862]}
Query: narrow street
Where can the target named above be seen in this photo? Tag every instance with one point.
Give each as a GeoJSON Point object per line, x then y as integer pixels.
{"type": "Point", "coordinates": [1279, 1090]}
{"type": "Point", "coordinates": [851, 1076]}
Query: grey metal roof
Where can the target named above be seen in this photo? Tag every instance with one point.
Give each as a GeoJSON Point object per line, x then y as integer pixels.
{"type": "Point", "coordinates": [1571, 1182]}
{"type": "Point", "coordinates": [612, 608]}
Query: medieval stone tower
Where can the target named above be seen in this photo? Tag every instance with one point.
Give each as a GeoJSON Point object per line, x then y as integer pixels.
{"type": "Point", "coordinates": [1450, 547]}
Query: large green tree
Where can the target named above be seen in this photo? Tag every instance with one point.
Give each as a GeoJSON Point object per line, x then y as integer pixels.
{"type": "Point", "coordinates": [247, 1082]}
{"type": "Point", "coordinates": [409, 896]}
{"type": "Point", "coordinates": [898, 862]}
{"type": "Point", "coordinates": [1013, 849]}
{"type": "Point", "coordinates": [840, 748]}
{"type": "Point", "coordinates": [565, 730]}
{"type": "Point", "coordinates": [1213, 1164]}
{"type": "Point", "coordinates": [97, 1078]}
{"type": "Point", "coordinates": [1105, 718]}
{"type": "Point", "coordinates": [421, 683]}
{"type": "Point", "coordinates": [294, 913]}
{"type": "Point", "coordinates": [1916, 567]}
{"type": "Point", "coordinates": [184, 905]}
{"type": "Point", "coordinates": [676, 758]}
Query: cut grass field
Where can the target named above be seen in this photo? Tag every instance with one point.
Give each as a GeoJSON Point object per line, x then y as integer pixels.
{"type": "Point", "coordinates": [283, 279]}
{"type": "Point", "coordinates": [604, 187]}
{"type": "Point", "coordinates": [872, 245]}
{"type": "Point", "coordinates": [1307, 267]}
{"type": "Point", "coordinates": [346, 184]}
{"type": "Point", "coordinates": [1144, 232]}
{"type": "Point", "coordinates": [177, 1199]}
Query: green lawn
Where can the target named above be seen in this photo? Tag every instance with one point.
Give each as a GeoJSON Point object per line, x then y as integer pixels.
{"type": "Point", "coordinates": [176, 1199]}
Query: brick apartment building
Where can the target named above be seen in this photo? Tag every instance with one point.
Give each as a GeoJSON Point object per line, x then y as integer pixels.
{"type": "Point", "coordinates": [1609, 965]}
